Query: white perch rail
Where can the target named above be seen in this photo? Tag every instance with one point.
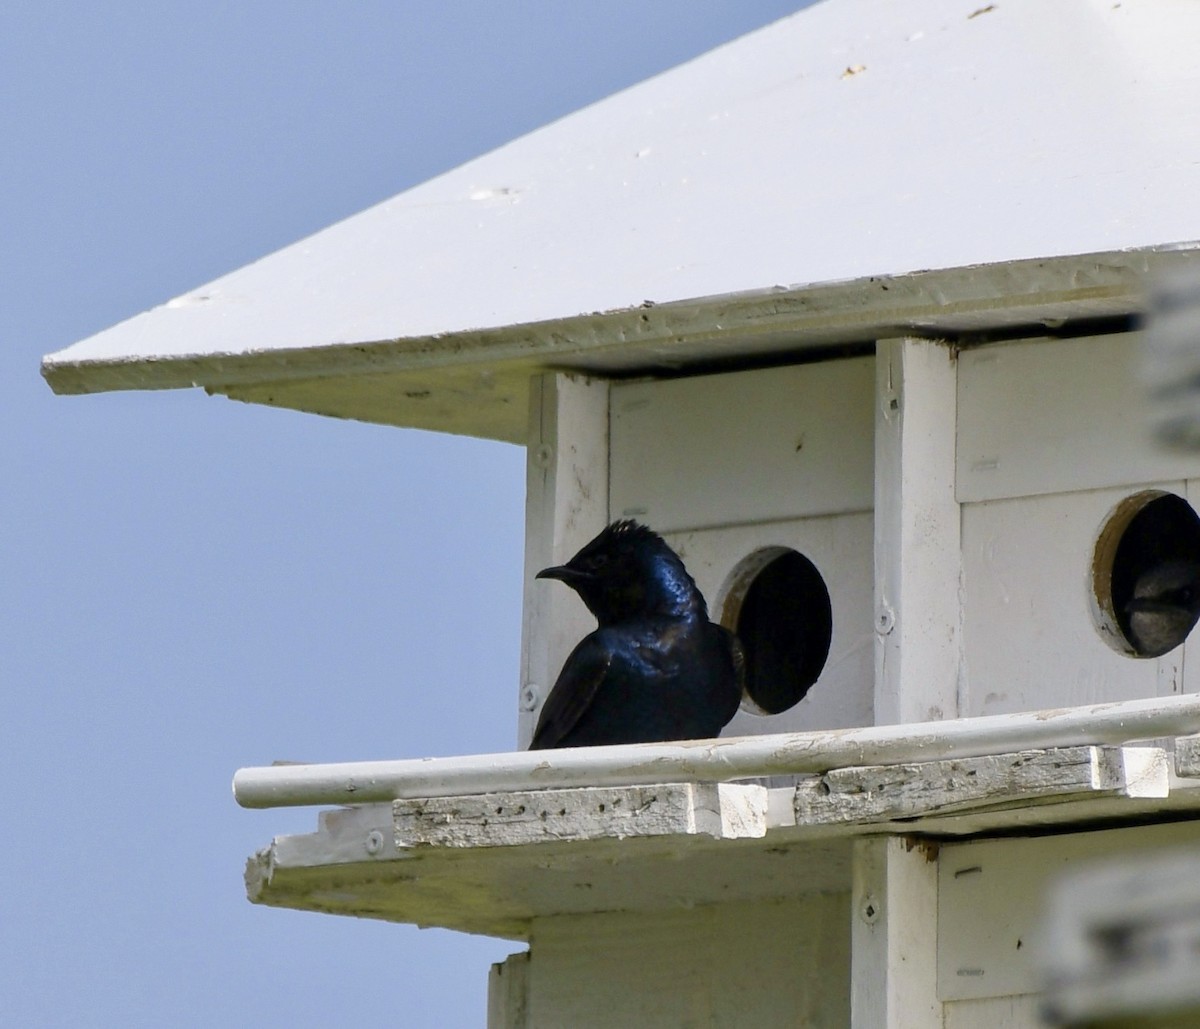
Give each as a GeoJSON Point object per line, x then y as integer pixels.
{"type": "Point", "coordinates": [719, 760]}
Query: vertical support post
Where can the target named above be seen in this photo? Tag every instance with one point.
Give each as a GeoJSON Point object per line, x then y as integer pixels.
{"type": "Point", "coordinates": [508, 993]}
{"type": "Point", "coordinates": [918, 632]}
{"type": "Point", "coordinates": [893, 937]}
{"type": "Point", "coordinates": [566, 504]}
{"type": "Point", "coordinates": [918, 550]}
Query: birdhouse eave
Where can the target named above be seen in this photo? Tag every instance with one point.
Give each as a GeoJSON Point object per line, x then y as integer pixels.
{"type": "Point", "coordinates": [773, 195]}
{"type": "Point", "coordinates": [475, 382]}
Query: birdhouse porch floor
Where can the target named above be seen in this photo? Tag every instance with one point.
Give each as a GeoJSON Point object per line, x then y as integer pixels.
{"type": "Point", "coordinates": [494, 863]}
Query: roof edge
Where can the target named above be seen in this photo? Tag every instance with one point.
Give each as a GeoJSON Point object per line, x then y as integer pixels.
{"type": "Point", "coordinates": [650, 337]}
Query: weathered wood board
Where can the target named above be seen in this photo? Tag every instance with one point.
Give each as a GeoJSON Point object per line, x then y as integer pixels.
{"type": "Point", "coordinates": [719, 810]}
{"type": "Point", "coordinates": [1187, 757]}
{"type": "Point", "coordinates": [890, 792]}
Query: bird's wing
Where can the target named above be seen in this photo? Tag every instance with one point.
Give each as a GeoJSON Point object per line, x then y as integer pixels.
{"type": "Point", "coordinates": [578, 681]}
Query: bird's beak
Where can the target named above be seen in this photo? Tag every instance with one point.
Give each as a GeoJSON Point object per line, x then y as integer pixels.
{"type": "Point", "coordinates": [563, 573]}
{"type": "Point", "coordinates": [1150, 605]}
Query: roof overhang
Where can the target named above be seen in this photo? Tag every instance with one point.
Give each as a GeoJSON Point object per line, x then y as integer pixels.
{"type": "Point", "coordinates": [477, 382]}
{"type": "Point", "coordinates": [767, 199]}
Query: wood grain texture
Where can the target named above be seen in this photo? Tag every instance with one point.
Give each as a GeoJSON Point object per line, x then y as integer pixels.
{"type": "Point", "coordinates": [885, 792]}
{"type": "Point", "coordinates": [1025, 405]}
{"type": "Point", "coordinates": [894, 935]}
{"type": "Point", "coordinates": [1187, 757]}
{"type": "Point", "coordinates": [743, 447]}
{"type": "Point", "coordinates": [918, 564]}
{"type": "Point", "coordinates": [566, 504]}
{"type": "Point", "coordinates": [508, 993]}
{"type": "Point", "coordinates": [723, 811]}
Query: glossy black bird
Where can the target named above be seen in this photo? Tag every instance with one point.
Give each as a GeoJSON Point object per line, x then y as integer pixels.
{"type": "Point", "coordinates": [656, 668]}
{"type": "Point", "coordinates": [1165, 606]}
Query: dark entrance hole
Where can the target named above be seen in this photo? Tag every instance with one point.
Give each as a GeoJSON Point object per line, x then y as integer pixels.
{"type": "Point", "coordinates": [1146, 574]}
{"type": "Point", "coordinates": [779, 607]}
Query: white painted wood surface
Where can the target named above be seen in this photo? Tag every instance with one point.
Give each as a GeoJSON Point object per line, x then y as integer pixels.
{"type": "Point", "coordinates": [1021, 1012]}
{"type": "Point", "coordinates": [478, 382]}
{"type": "Point", "coordinates": [893, 915]}
{"type": "Point", "coordinates": [720, 760]}
{"type": "Point", "coordinates": [1029, 636]}
{"type": "Point", "coordinates": [352, 866]}
{"type": "Point", "coordinates": [701, 182]}
{"type": "Point", "coordinates": [767, 445]}
{"type": "Point", "coordinates": [460, 873]}
{"type": "Point", "coordinates": [566, 504]}
{"type": "Point", "coordinates": [1053, 436]}
{"type": "Point", "coordinates": [720, 810]}
{"type": "Point", "coordinates": [1187, 757]}
{"type": "Point", "coordinates": [840, 547]}
{"type": "Point", "coordinates": [886, 792]}
{"type": "Point", "coordinates": [731, 466]}
{"type": "Point", "coordinates": [1040, 417]}
{"type": "Point", "coordinates": [508, 993]}
{"type": "Point", "coordinates": [741, 966]}
{"type": "Point", "coordinates": [992, 898]}
{"type": "Point", "coordinates": [917, 550]}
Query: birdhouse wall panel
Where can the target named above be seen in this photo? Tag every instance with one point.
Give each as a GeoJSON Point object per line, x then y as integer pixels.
{"type": "Point", "coordinates": [992, 898]}
{"type": "Point", "coordinates": [741, 468]}
{"type": "Point", "coordinates": [773, 443]}
{"type": "Point", "coordinates": [1030, 635]}
{"type": "Point", "coordinates": [840, 547]}
{"type": "Point", "coordinates": [780, 962]}
{"type": "Point", "coordinates": [1018, 1012]}
{"type": "Point", "coordinates": [566, 503]}
{"type": "Point", "coordinates": [1040, 416]}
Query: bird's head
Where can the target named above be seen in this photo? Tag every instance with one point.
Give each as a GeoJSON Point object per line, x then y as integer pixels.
{"type": "Point", "coordinates": [1171, 585]}
{"type": "Point", "coordinates": [628, 572]}
{"type": "Point", "coordinates": [1165, 605]}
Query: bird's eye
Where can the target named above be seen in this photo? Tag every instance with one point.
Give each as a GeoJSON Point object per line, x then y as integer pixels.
{"type": "Point", "coordinates": [598, 560]}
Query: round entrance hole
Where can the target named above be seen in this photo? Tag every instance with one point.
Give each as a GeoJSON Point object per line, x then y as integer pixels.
{"type": "Point", "coordinates": [1146, 574]}
{"type": "Point", "coordinates": [778, 605]}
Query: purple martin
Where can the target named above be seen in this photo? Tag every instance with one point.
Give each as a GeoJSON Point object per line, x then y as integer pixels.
{"type": "Point", "coordinates": [1164, 607]}
{"type": "Point", "coordinates": [655, 668]}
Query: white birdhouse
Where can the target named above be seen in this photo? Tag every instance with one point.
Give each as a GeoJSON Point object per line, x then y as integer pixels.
{"type": "Point", "coordinates": [847, 310]}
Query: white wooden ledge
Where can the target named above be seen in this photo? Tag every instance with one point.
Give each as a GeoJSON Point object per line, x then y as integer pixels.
{"type": "Point", "coordinates": [719, 760]}
{"type": "Point", "coordinates": [891, 792]}
{"type": "Point", "coordinates": [721, 810]}
{"type": "Point", "coordinates": [493, 862]}
{"type": "Point", "coordinates": [1187, 757]}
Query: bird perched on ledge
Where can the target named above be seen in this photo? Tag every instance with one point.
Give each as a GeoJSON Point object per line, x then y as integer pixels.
{"type": "Point", "coordinates": [655, 668]}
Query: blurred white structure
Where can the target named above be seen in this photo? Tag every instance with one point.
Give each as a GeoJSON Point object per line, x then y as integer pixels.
{"type": "Point", "coordinates": [845, 309]}
{"type": "Point", "coordinates": [1121, 944]}
{"type": "Point", "coordinates": [1172, 366]}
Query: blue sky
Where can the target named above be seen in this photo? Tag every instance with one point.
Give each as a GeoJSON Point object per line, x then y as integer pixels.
{"type": "Point", "coordinates": [190, 584]}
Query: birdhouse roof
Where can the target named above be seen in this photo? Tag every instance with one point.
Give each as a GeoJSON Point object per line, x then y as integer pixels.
{"type": "Point", "coordinates": [858, 169]}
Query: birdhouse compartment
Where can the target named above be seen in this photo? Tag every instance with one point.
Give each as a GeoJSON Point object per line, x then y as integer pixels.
{"type": "Point", "coordinates": [762, 481]}
{"type": "Point", "coordinates": [1067, 503]}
